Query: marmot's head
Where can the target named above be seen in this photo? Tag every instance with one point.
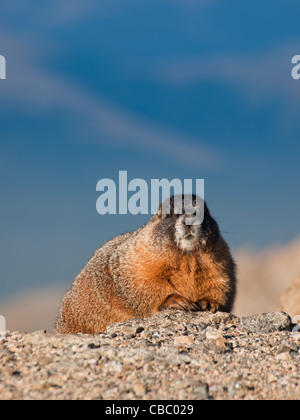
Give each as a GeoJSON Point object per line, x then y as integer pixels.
{"type": "Point", "coordinates": [176, 224]}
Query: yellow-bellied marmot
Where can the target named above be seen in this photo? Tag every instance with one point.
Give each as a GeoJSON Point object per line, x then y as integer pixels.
{"type": "Point", "coordinates": [164, 264]}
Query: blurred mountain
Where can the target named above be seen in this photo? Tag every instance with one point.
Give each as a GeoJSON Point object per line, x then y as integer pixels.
{"type": "Point", "coordinates": [265, 275]}
{"type": "Point", "coordinates": [32, 310]}
{"type": "Point", "coordinates": [290, 300]}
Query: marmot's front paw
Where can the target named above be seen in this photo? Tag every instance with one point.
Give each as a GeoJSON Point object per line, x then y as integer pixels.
{"type": "Point", "coordinates": [178, 302]}
{"type": "Point", "coordinates": [208, 305]}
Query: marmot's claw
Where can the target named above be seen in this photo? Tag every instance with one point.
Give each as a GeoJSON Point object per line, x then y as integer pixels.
{"type": "Point", "coordinates": [210, 306]}
{"type": "Point", "coordinates": [178, 302]}
{"type": "Point", "coordinates": [188, 306]}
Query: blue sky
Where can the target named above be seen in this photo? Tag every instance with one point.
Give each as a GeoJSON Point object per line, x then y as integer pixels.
{"type": "Point", "coordinates": [173, 88]}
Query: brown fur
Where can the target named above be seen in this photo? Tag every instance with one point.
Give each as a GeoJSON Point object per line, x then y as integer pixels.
{"type": "Point", "coordinates": [143, 272]}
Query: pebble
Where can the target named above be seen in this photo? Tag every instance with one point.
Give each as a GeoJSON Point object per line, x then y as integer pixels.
{"type": "Point", "coordinates": [267, 323]}
{"type": "Point", "coordinates": [183, 340]}
{"type": "Point", "coordinates": [201, 391]}
{"type": "Point", "coordinates": [139, 389]}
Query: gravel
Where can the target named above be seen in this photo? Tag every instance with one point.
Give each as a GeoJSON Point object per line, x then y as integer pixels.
{"type": "Point", "coordinates": [172, 356]}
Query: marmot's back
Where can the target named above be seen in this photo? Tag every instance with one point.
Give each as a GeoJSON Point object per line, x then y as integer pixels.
{"type": "Point", "coordinates": [80, 307]}
{"type": "Point", "coordinates": [164, 264]}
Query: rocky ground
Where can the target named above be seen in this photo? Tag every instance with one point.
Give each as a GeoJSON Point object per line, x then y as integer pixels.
{"type": "Point", "coordinates": [173, 355]}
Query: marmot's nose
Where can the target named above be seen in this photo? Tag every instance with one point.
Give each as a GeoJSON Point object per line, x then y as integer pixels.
{"type": "Point", "coordinates": [190, 232]}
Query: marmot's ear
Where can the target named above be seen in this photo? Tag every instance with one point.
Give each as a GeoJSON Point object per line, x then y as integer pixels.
{"type": "Point", "coordinates": [159, 215]}
{"type": "Point", "coordinates": [159, 212]}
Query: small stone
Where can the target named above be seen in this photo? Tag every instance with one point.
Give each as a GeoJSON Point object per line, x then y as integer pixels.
{"type": "Point", "coordinates": [8, 371]}
{"type": "Point", "coordinates": [44, 360]}
{"type": "Point", "coordinates": [201, 326]}
{"type": "Point", "coordinates": [44, 386]}
{"type": "Point", "coordinates": [213, 335]}
{"type": "Point", "coordinates": [190, 326]}
{"type": "Point", "coordinates": [183, 349]}
{"type": "Point", "coordinates": [217, 338]}
{"type": "Point", "coordinates": [221, 342]}
{"type": "Point", "coordinates": [201, 391]}
{"type": "Point", "coordinates": [127, 330]}
{"type": "Point", "coordinates": [139, 389]}
{"type": "Point", "coordinates": [283, 356]}
{"type": "Point", "coordinates": [267, 323]}
{"type": "Point", "coordinates": [287, 348]}
{"type": "Point", "coordinates": [283, 348]}
{"type": "Point", "coordinates": [184, 340]}
{"type": "Point", "coordinates": [168, 332]}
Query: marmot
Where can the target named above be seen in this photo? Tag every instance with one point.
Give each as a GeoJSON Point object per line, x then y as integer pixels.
{"type": "Point", "coordinates": [164, 264]}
